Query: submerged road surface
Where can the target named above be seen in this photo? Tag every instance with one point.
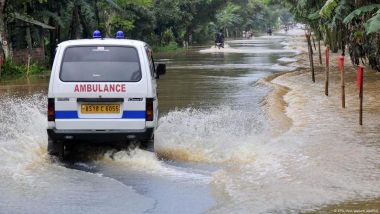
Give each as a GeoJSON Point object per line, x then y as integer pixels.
{"type": "Point", "coordinates": [215, 152]}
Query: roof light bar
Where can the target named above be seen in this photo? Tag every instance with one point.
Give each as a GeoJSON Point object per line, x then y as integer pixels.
{"type": "Point", "coordinates": [120, 35]}
{"type": "Point", "coordinates": [97, 35]}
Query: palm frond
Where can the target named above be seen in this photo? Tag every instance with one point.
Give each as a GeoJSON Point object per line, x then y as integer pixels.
{"type": "Point", "coordinates": [373, 24]}
{"type": "Point", "coordinates": [359, 11]}
{"type": "Point", "coordinates": [315, 16]}
{"type": "Point", "coordinates": [328, 8]}
{"type": "Point", "coordinates": [114, 5]}
{"type": "Point", "coordinates": [54, 16]}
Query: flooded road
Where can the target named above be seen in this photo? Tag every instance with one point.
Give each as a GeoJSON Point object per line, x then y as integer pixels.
{"type": "Point", "coordinates": [216, 152]}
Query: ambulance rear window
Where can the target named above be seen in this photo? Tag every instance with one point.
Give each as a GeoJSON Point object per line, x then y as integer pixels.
{"type": "Point", "coordinates": [100, 64]}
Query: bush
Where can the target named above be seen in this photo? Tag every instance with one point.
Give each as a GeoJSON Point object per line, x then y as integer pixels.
{"type": "Point", "coordinates": [11, 69]}
{"type": "Point", "coordinates": [167, 37]}
{"type": "Point", "coordinates": [36, 68]}
{"type": "Point", "coordinates": [172, 46]}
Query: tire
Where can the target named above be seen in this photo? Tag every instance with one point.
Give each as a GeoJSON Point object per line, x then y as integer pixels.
{"type": "Point", "coordinates": [56, 148]}
{"type": "Point", "coordinates": [147, 145]}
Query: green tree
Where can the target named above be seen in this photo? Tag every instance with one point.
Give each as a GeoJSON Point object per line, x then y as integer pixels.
{"type": "Point", "coordinates": [229, 18]}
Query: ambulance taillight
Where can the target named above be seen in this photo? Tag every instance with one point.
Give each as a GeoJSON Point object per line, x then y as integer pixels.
{"type": "Point", "coordinates": [149, 109]}
{"type": "Point", "coordinates": [51, 109]}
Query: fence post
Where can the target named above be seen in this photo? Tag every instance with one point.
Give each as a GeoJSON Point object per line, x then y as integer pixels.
{"type": "Point", "coordinates": [360, 88]}
{"type": "Point", "coordinates": [308, 35]}
{"type": "Point", "coordinates": [341, 69]}
{"type": "Point", "coordinates": [327, 71]}
{"type": "Point", "coordinates": [319, 51]}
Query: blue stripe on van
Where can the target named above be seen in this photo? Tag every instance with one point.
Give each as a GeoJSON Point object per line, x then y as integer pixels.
{"type": "Point", "coordinates": [66, 115]}
{"type": "Point", "coordinates": [134, 115]}
{"type": "Point", "coordinates": [74, 115]}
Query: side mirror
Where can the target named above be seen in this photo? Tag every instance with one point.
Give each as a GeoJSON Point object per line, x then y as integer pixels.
{"type": "Point", "coordinates": [161, 70]}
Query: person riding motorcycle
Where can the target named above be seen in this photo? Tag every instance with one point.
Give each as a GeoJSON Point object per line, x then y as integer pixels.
{"type": "Point", "coordinates": [269, 31]}
{"type": "Point", "coordinates": [219, 39]}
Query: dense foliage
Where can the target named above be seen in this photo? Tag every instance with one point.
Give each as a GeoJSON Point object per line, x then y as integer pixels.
{"type": "Point", "coordinates": [165, 24]}
{"type": "Point", "coordinates": [168, 24]}
{"type": "Point", "coordinates": [343, 23]}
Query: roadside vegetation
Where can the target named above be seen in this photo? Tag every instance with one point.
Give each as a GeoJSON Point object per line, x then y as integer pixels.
{"type": "Point", "coordinates": [31, 29]}
{"type": "Point", "coordinates": [19, 70]}
{"type": "Point", "coordinates": [30, 25]}
{"type": "Point", "coordinates": [342, 23]}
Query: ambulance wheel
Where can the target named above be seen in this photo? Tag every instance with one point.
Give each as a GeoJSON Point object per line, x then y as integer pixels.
{"type": "Point", "coordinates": [147, 145]}
{"type": "Point", "coordinates": [56, 148]}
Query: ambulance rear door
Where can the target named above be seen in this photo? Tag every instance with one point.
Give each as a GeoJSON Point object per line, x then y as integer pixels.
{"type": "Point", "coordinates": [100, 87]}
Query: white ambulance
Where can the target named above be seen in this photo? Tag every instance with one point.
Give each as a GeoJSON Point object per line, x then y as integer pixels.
{"type": "Point", "coordinates": [102, 91]}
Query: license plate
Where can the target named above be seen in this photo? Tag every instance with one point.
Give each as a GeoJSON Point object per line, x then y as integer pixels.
{"type": "Point", "coordinates": [100, 109]}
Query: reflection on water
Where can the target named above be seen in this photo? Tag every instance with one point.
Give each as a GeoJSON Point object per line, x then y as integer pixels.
{"type": "Point", "coordinates": [24, 85]}
{"type": "Point", "coordinates": [218, 78]}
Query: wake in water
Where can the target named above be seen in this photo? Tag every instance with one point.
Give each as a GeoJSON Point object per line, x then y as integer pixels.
{"type": "Point", "coordinates": [292, 172]}
{"type": "Point", "coordinates": [217, 135]}
{"type": "Point", "coordinates": [146, 162]}
{"type": "Point", "coordinates": [22, 134]}
{"type": "Point", "coordinates": [31, 183]}
{"type": "Point", "coordinates": [23, 141]}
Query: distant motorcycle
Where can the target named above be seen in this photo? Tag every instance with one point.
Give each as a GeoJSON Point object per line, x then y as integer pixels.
{"type": "Point", "coordinates": [269, 32]}
{"type": "Point", "coordinates": [219, 45]}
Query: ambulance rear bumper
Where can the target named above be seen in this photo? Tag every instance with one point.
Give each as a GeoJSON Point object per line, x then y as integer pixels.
{"type": "Point", "coordinates": [101, 136]}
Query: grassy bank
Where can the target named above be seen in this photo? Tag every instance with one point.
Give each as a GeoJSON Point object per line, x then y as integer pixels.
{"type": "Point", "coordinates": [10, 69]}
{"type": "Point", "coordinates": [172, 46]}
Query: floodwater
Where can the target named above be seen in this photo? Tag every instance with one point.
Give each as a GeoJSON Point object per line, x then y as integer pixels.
{"type": "Point", "coordinates": [216, 151]}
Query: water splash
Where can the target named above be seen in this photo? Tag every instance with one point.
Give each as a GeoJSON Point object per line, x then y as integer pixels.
{"type": "Point", "coordinates": [147, 162]}
{"type": "Point", "coordinates": [322, 159]}
{"type": "Point", "coordinates": [22, 134]}
{"type": "Point", "coordinates": [214, 135]}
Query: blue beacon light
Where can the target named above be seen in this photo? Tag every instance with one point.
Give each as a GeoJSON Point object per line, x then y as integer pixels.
{"type": "Point", "coordinates": [97, 34]}
{"type": "Point", "coordinates": [120, 35]}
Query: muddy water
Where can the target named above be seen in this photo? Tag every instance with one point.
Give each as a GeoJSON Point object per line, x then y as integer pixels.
{"type": "Point", "coordinates": [215, 148]}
